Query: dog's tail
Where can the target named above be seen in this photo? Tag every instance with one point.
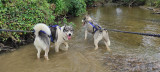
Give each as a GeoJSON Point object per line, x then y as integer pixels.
{"type": "Point", "coordinates": [40, 26]}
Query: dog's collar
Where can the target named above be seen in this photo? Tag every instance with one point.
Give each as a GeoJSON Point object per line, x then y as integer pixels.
{"type": "Point", "coordinates": [94, 27]}
{"type": "Point", "coordinates": [48, 35]}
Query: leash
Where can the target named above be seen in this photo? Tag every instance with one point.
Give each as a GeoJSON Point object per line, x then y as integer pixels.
{"type": "Point", "coordinates": [14, 30]}
{"type": "Point", "coordinates": [145, 34]}
{"type": "Point", "coordinates": [26, 31]}
{"type": "Point", "coordinates": [30, 31]}
{"type": "Point", "coordinates": [22, 30]}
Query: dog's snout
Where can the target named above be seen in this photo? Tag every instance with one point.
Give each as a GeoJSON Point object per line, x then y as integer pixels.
{"type": "Point", "coordinates": [69, 34]}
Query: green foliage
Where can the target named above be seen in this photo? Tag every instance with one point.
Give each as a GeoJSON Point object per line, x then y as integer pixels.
{"type": "Point", "coordinates": [60, 7]}
{"type": "Point", "coordinates": [73, 7]}
{"type": "Point", "coordinates": [77, 7]}
{"type": "Point", "coordinates": [138, 2]}
{"type": "Point", "coordinates": [90, 2]}
{"type": "Point", "coordinates": [155, 3]}
{"type": "Point", "coordinates": [131, 2]}
{"type": "Point", "coordinates": [22, 15]}
{"type": "Point", "coordinates": [50, 1]}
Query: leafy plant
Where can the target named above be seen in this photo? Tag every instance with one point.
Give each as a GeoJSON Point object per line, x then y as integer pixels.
{"type": "Point", "coordinates": [23, 15]}
{"type": "Point", "coordinates": [157, 3]}
{"type": "Point", "coordinates": [60, 7]}
{"type": "Point", "coordinates": [90, 2]}
{"type": "Point", "coordinates": [77, 7]}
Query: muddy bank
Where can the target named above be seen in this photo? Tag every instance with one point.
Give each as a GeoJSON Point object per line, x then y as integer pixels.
{"type": "Point", "coordinates": [11, 45]}
{"type": "Point", "coordinates": [152, 9]}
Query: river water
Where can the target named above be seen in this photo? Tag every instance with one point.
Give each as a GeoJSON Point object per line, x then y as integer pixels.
{"type": "Point", "coordinates": [129, 52]}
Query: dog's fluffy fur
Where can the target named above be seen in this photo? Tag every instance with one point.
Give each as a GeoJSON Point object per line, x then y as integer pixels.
{"type": "Point", "coordinates": [61, 35]}
{"type": "Point", "coordinates": [42, 40]}
{"type": "Point", "coordinates": [98, 35]}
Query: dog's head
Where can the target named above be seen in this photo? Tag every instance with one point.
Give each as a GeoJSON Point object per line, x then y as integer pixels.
{"type": "Point", "coordinates": [86, 19]}
{"type": "Point", "coordinates": [68, 30]}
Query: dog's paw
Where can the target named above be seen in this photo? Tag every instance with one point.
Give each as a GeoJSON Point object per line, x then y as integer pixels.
{"type": "Point", "coordinates": [56, 51]}
{"type": "Point", "coordinates": [38, 58]}
{"type": "Point", "coordinates": [95, 48]}
{"type": "Point", "coordinates": [109, 50]}
{"type": "Point", "coordinates": [66, 48]}
{"type": "Point", "coordinates": [46, 57]}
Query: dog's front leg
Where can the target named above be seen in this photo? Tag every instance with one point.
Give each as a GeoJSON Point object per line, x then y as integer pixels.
{"type": "Point", "coordinates": [57, 44]}
{"type": "Point", "coordinates": [85, 34]}
{"type": "Point", "coordinates": [66, 48]}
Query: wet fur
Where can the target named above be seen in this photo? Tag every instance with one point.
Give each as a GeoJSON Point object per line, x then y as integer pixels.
{"type": "Point", "coordinates": [60, 36]}
{"type": "Point", "coordinates": [98, 35]}
{"type": "Point", "coordinates": [42, 40]}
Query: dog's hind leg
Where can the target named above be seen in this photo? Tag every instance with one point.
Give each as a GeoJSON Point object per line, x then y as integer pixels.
{"type": "Point", "coordinates": [38, 53]}
{"type": "Point", "coordinates": [106, 40]}
{"type": "Point", "coordinates": [46, 53]}
{"type": "Point", "coordinates": [97, 38]}
{"type": "Point", "coordinates": [85, 34]}
{"type": "Point", "coordinates": [107, 46]}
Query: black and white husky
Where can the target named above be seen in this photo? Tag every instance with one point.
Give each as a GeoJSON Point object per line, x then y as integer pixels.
{"type": "Point", "coordinates": [98, 32]}
{"type": "Point", "coordinates": [42, 39]}
{"type": "Point", "coordinates": [61, 35]}
{"type": "Point", "coordinates": [56, 34]}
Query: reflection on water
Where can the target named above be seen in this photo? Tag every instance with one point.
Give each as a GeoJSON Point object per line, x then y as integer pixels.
{"type": "Point", "coordinates": [129, 52]}
{"type": "Point", "coordinates": [119, 11]}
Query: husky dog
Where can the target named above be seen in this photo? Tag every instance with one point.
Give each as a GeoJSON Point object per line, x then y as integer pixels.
{"type": "Point", "coordinates": [42, 39]}
{"type": "Point", "coordinates": [98, 32]}
{"type": "Point", "coordinates": [61, 35]}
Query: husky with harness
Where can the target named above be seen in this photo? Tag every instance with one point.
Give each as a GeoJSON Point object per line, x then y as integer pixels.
{"type": "Point", "coordinates": [56, 34]}
{"type": "Point", "coordinates": [61, 35]}
{"type": "Point", "coordinates": [98, 32]}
